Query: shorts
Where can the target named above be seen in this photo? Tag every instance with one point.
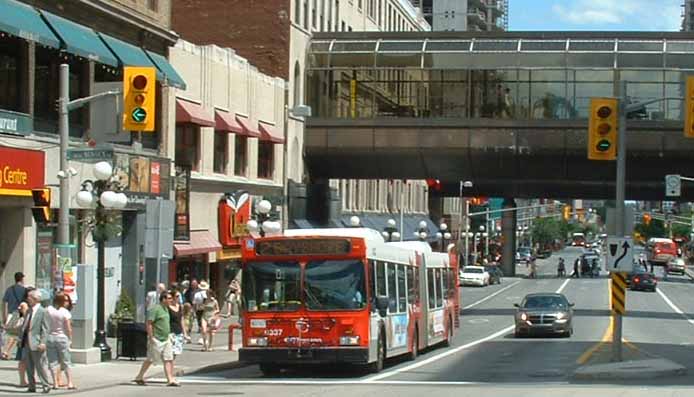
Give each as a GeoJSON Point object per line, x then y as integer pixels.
{"type": "Point", "coordinates": [58, 350]}
{"type": "Point", "coordinates": [158, 351]}
{"type": "Point", "coordinates": [177, 344]}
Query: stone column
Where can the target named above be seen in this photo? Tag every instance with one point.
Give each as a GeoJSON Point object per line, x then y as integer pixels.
{"type": "Point", "coordinates": [508, 232]}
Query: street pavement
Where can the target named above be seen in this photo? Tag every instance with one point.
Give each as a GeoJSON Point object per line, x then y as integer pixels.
{"type": "Point", "coordinates": [485, 359]}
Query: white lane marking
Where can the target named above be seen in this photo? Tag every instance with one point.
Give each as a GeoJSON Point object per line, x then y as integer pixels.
{"type": "Point", "coordinates": [218, 381]}
{"type": "Point", "coordinates": [451, 351]}
{"type": "Point", "coordinates": [673, 306]}
{"type": "Point", "coordinates": [491, 296]}
{"type": "Point", "coordinates": [478, 321]}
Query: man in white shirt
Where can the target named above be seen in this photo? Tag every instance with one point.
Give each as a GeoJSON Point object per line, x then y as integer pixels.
{"type": "Point", "coordinates": [153, 296]}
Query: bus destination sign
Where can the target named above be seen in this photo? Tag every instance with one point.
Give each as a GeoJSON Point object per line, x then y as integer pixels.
{"type": "Point", "coordinates": [303, 247]}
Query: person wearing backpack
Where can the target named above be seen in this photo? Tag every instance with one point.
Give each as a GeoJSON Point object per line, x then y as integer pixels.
{"type": "Point", "coordinates": [12, 320]}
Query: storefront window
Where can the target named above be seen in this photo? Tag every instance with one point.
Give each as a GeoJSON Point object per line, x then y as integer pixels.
{"type": "Point", "coordinates": [220, 152]}
{"type": "Point", "coordinates": [10, 74]}
{"type": "Point", "coordinates": [241, 155]}
{"type": "Point", "coordinates": [187, 145]}
{"type": "Point", "coordinates": [266, 160]}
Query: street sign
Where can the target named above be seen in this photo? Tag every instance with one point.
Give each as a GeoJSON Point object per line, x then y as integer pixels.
{"type": "Point", "coordinates": [620, 254]}
{"type": "Point", "coordinates": [673, 185]}
{"type": "Point", "coordinates": [139, 115]}
{"type": "Point", "coordinates": [618, 299]}
{"type": "Point", "coordinates": [90, 155]}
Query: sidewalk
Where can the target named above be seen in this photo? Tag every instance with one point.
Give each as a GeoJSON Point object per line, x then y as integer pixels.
{"type": "Point", "coordinates": [123, 370]}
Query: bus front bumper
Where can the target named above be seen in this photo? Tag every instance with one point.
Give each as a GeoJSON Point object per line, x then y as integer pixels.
{"type": "Point", "coordinates": [309, 355]}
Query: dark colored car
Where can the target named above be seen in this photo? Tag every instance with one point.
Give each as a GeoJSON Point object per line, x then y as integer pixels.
{"type": "Point", "coordinates": [643, 282]}
{"type": "Point", "coordinates": [495, 274]}
{"type": "Point", "coordinates": [544, 313]}
{"type": "Point", "coordinates": [544, 253]}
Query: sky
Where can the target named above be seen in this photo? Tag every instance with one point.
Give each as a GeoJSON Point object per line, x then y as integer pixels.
{"type": "Point", "coordinates": [595, 14]}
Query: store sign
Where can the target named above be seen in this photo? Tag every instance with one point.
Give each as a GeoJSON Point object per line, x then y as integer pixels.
{"type": "Point", "coordinates": [233, 213]}
{"type": "Point", "coordinates": [20, 171]}
{"type": "Point", "coordinates": [144, 177]}
{"type": "Point", "coordinates": [15, 123]}
{"type": "Point", "coordinates": [182, 193]}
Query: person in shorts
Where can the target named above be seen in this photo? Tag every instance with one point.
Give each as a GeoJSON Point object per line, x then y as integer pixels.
{"type": "Point", "coordinates": [159, 346]}
{"type": "Point", "coordinates": [59, 340]}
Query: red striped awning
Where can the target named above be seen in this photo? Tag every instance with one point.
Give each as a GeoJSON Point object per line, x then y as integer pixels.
{"type": "Point", "coordinates": [225, 121]}
{"type": "Point", "coordinates": [248, 128]}
{"type": "Point", "coordinates": [270, 133]}
{"type": "Point", "coordinates": [201, 242]}
{"type": "Point", "coordinates": [189, 112]}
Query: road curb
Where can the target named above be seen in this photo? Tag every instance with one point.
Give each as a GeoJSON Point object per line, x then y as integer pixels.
{"type": "Point", "coordinates": [628, 370]}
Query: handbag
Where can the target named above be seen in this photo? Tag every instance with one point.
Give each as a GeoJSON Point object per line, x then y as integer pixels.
{"type": "Point", "coordinates": [14, 323]}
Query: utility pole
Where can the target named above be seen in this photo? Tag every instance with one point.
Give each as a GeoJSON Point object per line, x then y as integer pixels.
{"type": "Point", "coordinates": [619, 187]}
{"type": "Point", "coordinates": [63, 129]}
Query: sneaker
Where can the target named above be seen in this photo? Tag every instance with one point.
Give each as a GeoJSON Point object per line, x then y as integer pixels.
{"type": "Point", "coordinates": [200, 341]}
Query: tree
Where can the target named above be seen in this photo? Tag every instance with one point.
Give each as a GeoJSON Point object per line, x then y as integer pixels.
{"type": "Point", "coordinates": [656, 228]}
{"type": "Point", "coordinates": [679, 230]}
{"type": "Point", "coordinates": [546, 230]}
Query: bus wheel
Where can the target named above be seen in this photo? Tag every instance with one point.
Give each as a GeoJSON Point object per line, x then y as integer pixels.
{"type": "Point", "coordinates": [377, 366]}
{"type": "Point", "coordinates": [270, 369]}
{"type": "Point", "coordinates": [415, 345]}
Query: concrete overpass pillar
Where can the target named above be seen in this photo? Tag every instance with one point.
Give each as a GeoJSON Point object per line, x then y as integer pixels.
{"type": "Point", "coordinates": [508, 232]}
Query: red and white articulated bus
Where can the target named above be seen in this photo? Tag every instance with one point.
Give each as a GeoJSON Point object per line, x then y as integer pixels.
{"type": "Point", "coordinates": [318, 296]}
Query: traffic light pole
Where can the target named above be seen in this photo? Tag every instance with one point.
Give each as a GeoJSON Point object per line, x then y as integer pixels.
{"type": "Point", "coordinates": [620, 188]}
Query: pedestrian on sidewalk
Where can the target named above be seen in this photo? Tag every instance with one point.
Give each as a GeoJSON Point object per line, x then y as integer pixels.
{"type": "Point", "coordinates": [231, 297]}
{"type": "Point", "coordinates": [176, 323]}
{"type": "Point", "coordinates": [14, 295]}
{"type": "Point", "coordinates": [198, 301]}
{"type": "Point", "coordinates": [188, 319]}
{"type": "Point", "coordinates": [34, 339]}
{"type": "Point", "coordinates": [576, 273]}
{"type": "Point", "coordinates": [68, 307]}
{"type": "Point", "coordinates": [211, 320]}
{"type": "Point", "coordinates": [159, 346]}
{"type": "Point", "coordinates": [190, 290]}
{"type": "Point", "coordinates": [154, 294]}
{"type": "Point", "coordinates": [59, 340]}
{"type": "Point", "coordinates": [23, 309]}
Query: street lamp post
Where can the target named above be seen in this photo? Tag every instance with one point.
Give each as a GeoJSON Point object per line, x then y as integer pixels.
{"type": "Point", "coordinates": [262, 224]}
{"type": "Point", "coordinates": [104, 195]}
{"type": "Point", "coordinates": [390, 232]}
{"type": "Point", "coordinates": [464, 221]}
{"type": "Point", "coordinates": [422, 232]}
{"type": "Point", "coordinates": [443, 235]}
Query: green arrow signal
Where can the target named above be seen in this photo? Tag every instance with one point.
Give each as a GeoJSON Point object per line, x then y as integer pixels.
{"type": "Point", "coordinates": [604, 145]}
{"type": "Point", "coordinates": [139, 115]}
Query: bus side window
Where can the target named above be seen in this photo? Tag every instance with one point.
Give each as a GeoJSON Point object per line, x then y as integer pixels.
{"type": "Point", "coordinates": [392, 289]}
{"type": "Point", "coordinates": [444, 273]}
{"type": "Point", "coordinates": [372, 284]}
{"type": "Point", "coordinates": [402, 290]}
{"type": "Point", "coordinates": [381, 279]}
{"type": "Point", "coordinates": [410, 285]}
{"type": "Point", "coordinates": [431, 290]}
{"type": "Point", "coordinates": [439, 294]}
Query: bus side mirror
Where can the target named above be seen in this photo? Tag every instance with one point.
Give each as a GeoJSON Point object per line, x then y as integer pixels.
{"type": "Point", "coordinates": [382, 305]}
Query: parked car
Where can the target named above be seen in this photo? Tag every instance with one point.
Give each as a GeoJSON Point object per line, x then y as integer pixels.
{"type": "Point", "coordinates": [643, 282]}
{"type": "Point", "coordinates": [677, 266]}
{"type": "Point", "coordinates": [544, 313]}
{"type": "Point", "coordinates": [474, 275]}
{"type": "Point", "coordinates": [544, 253]}
{"type": "Point", "coordinates": [524, 255]}
{"type": "Point", "coordinates": [495, 274]}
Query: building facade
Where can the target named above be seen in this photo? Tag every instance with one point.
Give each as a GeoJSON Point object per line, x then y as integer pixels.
{"type": "Point", "coordinates": [96, 39]}
{"type": "Point", "coordinates": [688, 16]}
{"type": "Point", "coordinates": [275, 37]}
{"type": "Point", "coordinates": [465, 15]}
{"type": "Point", "coordinates": [230, 129]}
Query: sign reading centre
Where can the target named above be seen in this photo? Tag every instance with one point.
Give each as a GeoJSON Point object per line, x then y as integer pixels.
{"type": "Point", "coordinates": [20, 171]}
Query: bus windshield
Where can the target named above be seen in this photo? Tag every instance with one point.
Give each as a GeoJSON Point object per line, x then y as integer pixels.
{"type": "Point", "coordinates": [335, 285]}
{"type": "Point", "coordinates": [272, 286]}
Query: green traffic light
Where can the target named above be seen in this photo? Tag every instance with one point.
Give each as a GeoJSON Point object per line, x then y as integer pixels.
{"type": "Point", "coordinates": [139, 115]}
{"type": "Point", "coordinates": [604, 145]}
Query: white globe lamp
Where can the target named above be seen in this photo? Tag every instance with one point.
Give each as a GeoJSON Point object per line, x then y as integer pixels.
{"type": "Point", "coordinates": [252, 225]}
{"type": "Point", "coordinates": [84, 199]}
{"type": "Point", "coordinates": [396, 235]}
{"type": "Point", "coordinates": [103, 170]}
{"type": "Point", "coordinates": [354, 221]}
{"type": "Point", "coordinates": [447, 236]}
{"type": "Point", "coordinates": [422, 225]}
{"type": "Point", "coordinates": [264, 207]}
{"type": "Point", "coordinates": [423, 235]}
{"type": "Point", "coordinates": [443, 227]}
{"type": "Point", "coordinates": [391, 222]}
{"type": "Point", "coordinates": [121, 200]}
{"type": "Point", "coordinates": [108, 199]}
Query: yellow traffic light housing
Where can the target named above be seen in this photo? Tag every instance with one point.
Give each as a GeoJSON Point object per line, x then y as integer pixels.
{"type": "Point", "coordinates": [646, 219]}
{"type": "Point", "coordinates": [42, 205]}
{"type": "Point", "coordinates": [602, 129]}
{"type": "Point", "coordinates": [689, 108]}
{"type": "Point", "coordinates": [567, 212]}
{"type": "Point", "coordinates": [139, 98]}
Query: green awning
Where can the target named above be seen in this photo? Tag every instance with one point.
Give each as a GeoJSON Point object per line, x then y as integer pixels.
{"type": "Point", "coordinates": [173, 78]}
{"type": "Point", "coordinates": [128, 54]}
{"type": "Point", "coordinates": [80, 40]}
{"type": "Point", "coordinates": [24, 21]}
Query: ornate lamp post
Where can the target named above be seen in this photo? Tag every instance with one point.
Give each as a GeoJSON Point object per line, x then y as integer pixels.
{"type": "Point", "coordinates": [262, 223]}
{"type": "Point", "coordinates": [354, 221]}
{"type": "Point", "coordinates": [390, 232]}
{"type": "Point", "coordinates": [444, 235]}
{"type": "Point", "coordinates": [422, 232]}
{"type": "Point", "coordinates": [105, 197]}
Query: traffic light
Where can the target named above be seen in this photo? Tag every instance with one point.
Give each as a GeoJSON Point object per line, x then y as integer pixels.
{"type": "Point", "coordinates": [42, 205]}
{"type": "Point", "coordinates": [689, 106]}
{"type": "Point", "coordinates": [567, 212]}
{"type": "Point", "coordinates": [646, 219]}
{"type": "Point", "coordinates": [602, 129]}
{"type": "Point", "coordinates": [139, 98]}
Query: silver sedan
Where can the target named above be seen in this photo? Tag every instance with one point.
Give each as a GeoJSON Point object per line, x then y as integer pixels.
{"type": "Point", "coordinates": [544, 313]}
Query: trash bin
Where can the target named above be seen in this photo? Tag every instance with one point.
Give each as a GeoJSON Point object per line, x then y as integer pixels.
{"type": "Point", "coordinates": [131, 340]}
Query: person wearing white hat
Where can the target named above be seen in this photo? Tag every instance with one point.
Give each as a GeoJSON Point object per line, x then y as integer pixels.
{"type": "Point", "coordinates": [198, 301]}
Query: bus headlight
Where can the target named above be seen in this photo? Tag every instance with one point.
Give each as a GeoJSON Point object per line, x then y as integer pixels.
{"type": "Point", "coordinates": [257, 341]}
{"type": "Point", "coordinates": [349, 340]}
